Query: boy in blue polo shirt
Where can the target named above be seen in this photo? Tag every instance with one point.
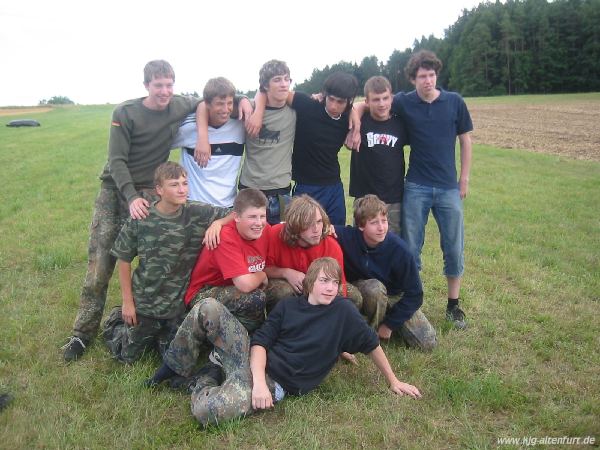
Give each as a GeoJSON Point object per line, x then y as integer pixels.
{"type": "Point", "coordinates": [434, 118]}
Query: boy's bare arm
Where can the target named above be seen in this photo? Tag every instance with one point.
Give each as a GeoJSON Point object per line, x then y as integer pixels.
{"type": "Point", "coordinates": [250, 281]}
{"type": "Point", "coordinates": [212, 236]}
{"type": "Point", "coordinates": [398, 387]}
{"type": "Point", "coordinates": [255, 120]}
{"type": "Point", "coordinates": [353, 138]}
{"type": "Point", "coordinates": [128, 310]}
{"type": "Point", "coordinates": [261, 396]}
{"type": "Point", "coordinates": [466, 152]}
{"type": "Point", "coordinates": [202, 150]}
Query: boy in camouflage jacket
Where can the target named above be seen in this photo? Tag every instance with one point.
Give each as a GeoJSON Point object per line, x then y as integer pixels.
{"type": "Point", "coordinates": [167, 244]}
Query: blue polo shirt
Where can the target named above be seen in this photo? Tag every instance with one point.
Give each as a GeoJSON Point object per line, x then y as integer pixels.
{"type": "Point", "coordinates": [432, 130]}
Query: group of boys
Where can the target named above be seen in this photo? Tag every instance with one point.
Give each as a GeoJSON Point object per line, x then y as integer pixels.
{"type": "Point", "coordinates": [183, 297]}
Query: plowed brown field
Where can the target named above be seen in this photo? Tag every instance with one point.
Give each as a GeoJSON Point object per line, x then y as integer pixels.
{"type": "Point", "coordinates": [562, 127]}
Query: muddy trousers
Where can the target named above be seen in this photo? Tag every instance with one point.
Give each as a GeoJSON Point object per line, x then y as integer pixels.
{"type": "Point", "coordinates": [210, 321]}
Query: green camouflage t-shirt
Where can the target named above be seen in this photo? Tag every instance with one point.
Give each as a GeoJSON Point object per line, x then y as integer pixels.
{"type": "Point", "coordinates": [167, 248]}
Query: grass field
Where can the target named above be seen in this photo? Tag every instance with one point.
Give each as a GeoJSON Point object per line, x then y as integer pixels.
{"type": "Point", "coordinates": [528, 366]}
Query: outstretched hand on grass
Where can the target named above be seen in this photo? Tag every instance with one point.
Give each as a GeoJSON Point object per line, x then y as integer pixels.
{"type": "Point", "coordinates": [401, 388]}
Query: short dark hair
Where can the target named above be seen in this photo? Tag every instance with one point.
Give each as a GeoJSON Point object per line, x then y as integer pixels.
{"type": "Point", "coordinates": [330, 267]}
{"type": "Point", "coordinates": [422, 59]}
{"type": "Point", "coordinates": [218, 87]}
{"type": "Point", "coordinates": [342, 85]}
{"type": "Point", "coordinates": [377, 85]}
{"type": "Point", "coordinates": [169, 170]}
{"type": "Point", "coordinates": [158, 68]}
{"type": "Point", "coordinates": [367, 208]}
{"type": "Point", "coordinates": [249, 198]}
{"type": "Point", "coordinates": [269, 70]}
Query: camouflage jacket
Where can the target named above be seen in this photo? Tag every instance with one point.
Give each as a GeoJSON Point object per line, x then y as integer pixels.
{"type": "Point", "coordinates": [167, 248]}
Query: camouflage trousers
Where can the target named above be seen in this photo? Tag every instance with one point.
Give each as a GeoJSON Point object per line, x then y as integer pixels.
{"type": "Point", "coordinates": [278, 289]}
{"type": "Point", "coordinates": [110, 213]}
{"type": "Point", "coordinates": [127, 344]}
{"type": "Point", "coordinates": [210, 321]}
{"type": "Point", "coordinates": [417, 331]}
{"type": "Point", "coordinates": [393, 215]}
{"type": "Point", "coordinates": [248, 308]}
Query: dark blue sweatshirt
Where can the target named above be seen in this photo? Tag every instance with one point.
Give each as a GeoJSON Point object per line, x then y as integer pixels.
{"type": "Point", "coordinates": [391, 262]}
{"type": "Point", "coordinates": [303, 341]}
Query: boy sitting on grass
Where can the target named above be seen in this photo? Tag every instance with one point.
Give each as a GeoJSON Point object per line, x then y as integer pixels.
{"type": "Point", "coordinates": [167, 243]}
{"type": "Point", "coordinates": [291, 353]}
{"type": "Point", "coordinates": [380, 265]}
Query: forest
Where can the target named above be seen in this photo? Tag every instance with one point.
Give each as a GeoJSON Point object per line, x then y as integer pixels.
{"type": "Point", "coordinates": [500, 48]}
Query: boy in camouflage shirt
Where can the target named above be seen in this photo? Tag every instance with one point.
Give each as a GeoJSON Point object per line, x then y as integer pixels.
{"type": "Point", "coordinates": [167, 244]}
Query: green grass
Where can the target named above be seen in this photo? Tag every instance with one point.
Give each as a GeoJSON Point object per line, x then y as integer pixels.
{"type": "Point", "coordinates": [527, 366]}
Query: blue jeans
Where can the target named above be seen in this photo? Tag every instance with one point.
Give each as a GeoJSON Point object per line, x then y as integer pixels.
{"type": "Point", "coordinates": [330, 197]}
{"type": "Point", "coordinates": [276, 207]}
{"type": "Point", "coordinates": [447, 208]}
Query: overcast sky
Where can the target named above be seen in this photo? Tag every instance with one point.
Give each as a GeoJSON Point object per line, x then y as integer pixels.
{"type": "Point", "coordinates": [94, 51]}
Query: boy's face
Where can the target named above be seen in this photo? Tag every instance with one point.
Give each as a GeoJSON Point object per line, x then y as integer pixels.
{"type": "Point", "coordinates": [219, 110]}
{"type": "Point", "coordinates": [312, 235]}
{"type": "Point", "coordinates": [335, 106]}
{"type": "Point", "coordinates": [425, 81]}
{"type": "Point", "coordinates": [379, 105]}
{"type": "Point", "coordinates": [278, 88]}
{"type": "Point", "coordinates": [251, 222]}
{"type": "Point", "coordinates": [173, 191]}
{"type": "Point", "coordinates": [160, 92]}
{"type": "Point", "coordinates": [324, 290]}
{"type": "Point", "coordinates": [375, 230]}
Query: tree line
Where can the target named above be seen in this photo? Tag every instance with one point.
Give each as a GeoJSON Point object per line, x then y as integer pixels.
{"type": "Point", "coordinates": [515, 47]}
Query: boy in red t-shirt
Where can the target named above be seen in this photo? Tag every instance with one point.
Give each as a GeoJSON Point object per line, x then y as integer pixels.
{"type": "Point", "coordinates": [233, 272]}
{"type": "Point", "coordinates": [295, 244]}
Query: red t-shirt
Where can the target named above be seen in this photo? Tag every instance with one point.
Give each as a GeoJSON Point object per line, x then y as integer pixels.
{"type": "Point", "coordinates": [298, 258]}
{"type": "Point", "coordinates": [235, 256]}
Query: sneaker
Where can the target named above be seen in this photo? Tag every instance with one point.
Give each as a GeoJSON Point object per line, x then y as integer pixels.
{"type": "Point", "coordinates": [457, 317]}
{"type": "Point", "coordinates": [5, 399]}
{"type": "Point", "coordinates": [74, 349]}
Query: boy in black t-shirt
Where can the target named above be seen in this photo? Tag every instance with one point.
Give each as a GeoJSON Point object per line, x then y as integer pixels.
{"type": "Point", "coordinates": [291, 353]}
{"type": "Point", "coordinates": [321, 127]}
{"type": "Point", "coordinates": [378, 168]}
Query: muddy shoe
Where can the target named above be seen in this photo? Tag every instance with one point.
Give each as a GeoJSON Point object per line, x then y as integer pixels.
{"type": "Point", "coordinates": [5, 399]}
{"type": "Point", "coordinates": [417, 332]}
{"type": "Point", "coordinates": [74, 349]}
{"type": "Point", "coordinates": [457, 317]}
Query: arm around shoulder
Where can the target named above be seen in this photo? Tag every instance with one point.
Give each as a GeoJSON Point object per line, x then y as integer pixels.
{"type": "Point", "coordinates": [212, 237]}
